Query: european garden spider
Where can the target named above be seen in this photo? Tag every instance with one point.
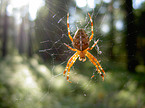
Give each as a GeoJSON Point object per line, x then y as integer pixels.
{"type": "Point", "coordinates": [80, 42]}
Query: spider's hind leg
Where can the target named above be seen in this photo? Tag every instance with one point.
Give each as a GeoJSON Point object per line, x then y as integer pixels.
{"type": "Point", "coordinates": [91, 37]}
{"type": "Point", "coordinates": [93, 45]}
{"type": "Point", "coordinates": [68, 28]}
{"type": "Point", "coordinates": [69, 47]}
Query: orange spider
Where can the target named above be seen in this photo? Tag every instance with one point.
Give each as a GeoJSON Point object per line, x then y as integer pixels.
{"type": "Point", "coordinates": [80, 42]}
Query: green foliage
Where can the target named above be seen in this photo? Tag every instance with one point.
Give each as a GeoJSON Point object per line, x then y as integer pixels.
{"type": "Point", "coordinates": [27, 83]}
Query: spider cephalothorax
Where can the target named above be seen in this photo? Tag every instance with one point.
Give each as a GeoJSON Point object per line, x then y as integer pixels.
{"type": "Point", "coordinates": [80, 42]}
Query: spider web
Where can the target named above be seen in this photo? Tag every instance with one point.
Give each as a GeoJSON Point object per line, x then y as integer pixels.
{"type": "Point", "coordinates": [57, 53]}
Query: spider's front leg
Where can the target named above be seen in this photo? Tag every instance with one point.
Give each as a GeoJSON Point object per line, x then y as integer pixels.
{"type": "Point", "coordinates": [97, 62]}
{"type": "Point", "coordinates": [70, 63]}
{"type": "Point", "coordinates": [94, 63]}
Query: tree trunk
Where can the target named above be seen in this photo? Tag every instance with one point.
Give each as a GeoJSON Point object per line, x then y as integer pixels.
{"type": "Point", "coordinates": [131, 37]}
{"type": "Point", "coordinates": [111, 35]}
{"type": "Point", "coordinates": [5, 35]}
{"type": "Point", "coordinates": [30, 39]}
{"type": "Point", "coordinates": [21, 39]}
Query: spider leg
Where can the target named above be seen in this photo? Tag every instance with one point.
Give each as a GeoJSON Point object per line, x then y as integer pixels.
{"type": "Point", "coordinates": [94, 63]}
{"type": "Point", "coordinates": [69, 28]}
{"type": "Point", "coordinates": [69, 61]}
{"type": "Point", "coordinates": [91, 37]}
{"type": "Point", "coordinates": [71, 64]}
{"type": "Point", "coordinates": [93, 45]}
{"type": "Point", "coordinates": [70, 47]}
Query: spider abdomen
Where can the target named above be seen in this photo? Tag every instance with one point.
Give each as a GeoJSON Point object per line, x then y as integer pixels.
{"type": "Point", "coordinates": [81, 40]}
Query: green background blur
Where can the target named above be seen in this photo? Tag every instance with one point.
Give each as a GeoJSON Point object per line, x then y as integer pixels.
{"type": "Point", "coordinates": [33, 56]}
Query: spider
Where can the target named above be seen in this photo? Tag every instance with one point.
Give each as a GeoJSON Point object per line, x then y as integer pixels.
{"type": "Point", "coordinates": [80, 42]}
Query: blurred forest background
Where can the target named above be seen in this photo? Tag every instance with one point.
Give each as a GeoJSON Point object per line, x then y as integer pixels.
{"type": "Point", "coordinates": [33, 56]}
